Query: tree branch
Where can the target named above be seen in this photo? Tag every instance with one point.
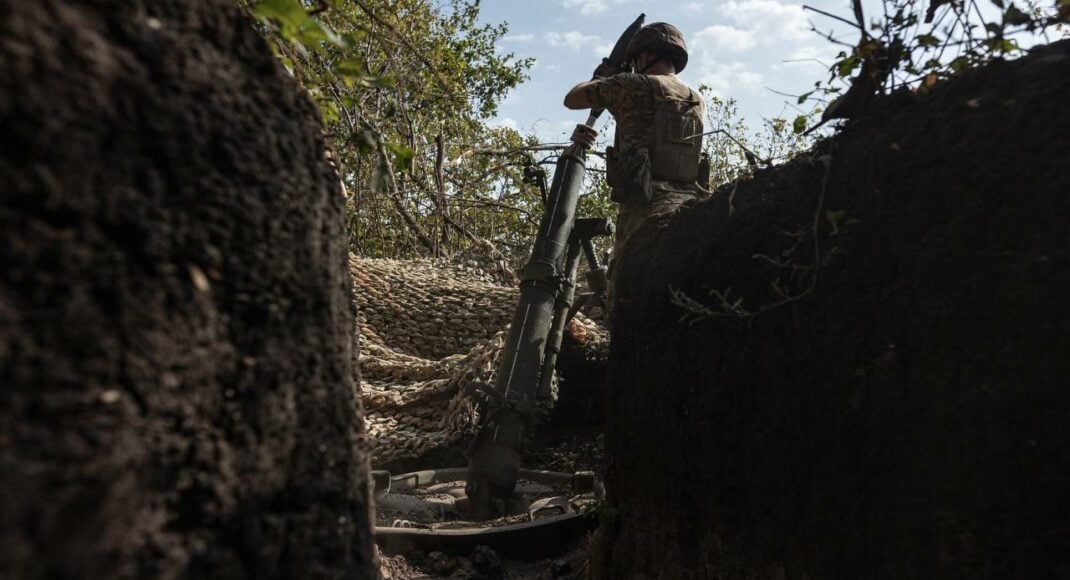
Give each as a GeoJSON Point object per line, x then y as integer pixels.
{"type": "Point", "coordinates": [834, 17]}
{"type": "Point", "coordinates": [395, 197]}
{"type": "Point", "coordinates": [404, 41]}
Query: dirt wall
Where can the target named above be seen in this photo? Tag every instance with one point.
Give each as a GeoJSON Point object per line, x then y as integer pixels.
{"type": "Point", "coordinates": [896, 411]}
{"type": "Point", "coordinates": [175, 323]}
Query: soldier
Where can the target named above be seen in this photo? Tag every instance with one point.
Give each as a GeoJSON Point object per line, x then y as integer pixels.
{"type": "Point", "coordinates": [653, 165]}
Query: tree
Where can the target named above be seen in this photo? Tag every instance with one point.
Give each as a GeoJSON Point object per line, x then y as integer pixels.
{"type": "Point", "coordinates": [735, 149]}
{"type": "Point", "coordinates": [915, 44]}
{"type": "Point", "coordinates": [406, 88]}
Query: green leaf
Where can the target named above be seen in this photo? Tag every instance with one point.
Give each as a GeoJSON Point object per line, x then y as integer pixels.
{"type": "Point", "coordinates": [802, 98]}
{"type": "Point", "coordinates": [351, 38]}
{"type": "Point", "coordinates": [351, 67]}
{"type": "Point", "coordinates": [366, 140]}
{"type": "Point", "coordinates": [402, 156]}
{"type": "Point", "coordinates": [383, 81]}
{"type": "Point", "coordinates": [1015, 17]}
{"type": "Point", "coordinates": [960, 64]}
{"type": "Point", "coordinates": [353, 73]}
{"type": "Point", "coordinates": [998, 3]}
{"type": "Point", "coordinates": [287, 12]}
{"type": "Point", "coordinates": [928, 40]}
{"type": "Point", "coordinates": [847, 65]}
{"type": "Point", "coordinates": [330, 111]}
{"type": "Point", "coordinates": [294, 22]}
{"type": "Point", "coordinates": [799, 124]}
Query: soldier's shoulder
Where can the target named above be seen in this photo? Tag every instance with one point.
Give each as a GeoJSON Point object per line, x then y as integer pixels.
{"type": "Point", "coordinates": [679, 89]}
{"type": "Point", "coordinates": [675, 82]}
{"type": "Point", "coordinates": [632, 80]}
{"type": "Point", "coordinates": [634, 91]}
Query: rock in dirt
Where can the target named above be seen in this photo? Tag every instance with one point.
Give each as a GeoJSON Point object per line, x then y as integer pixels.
{"type": "Point", "coordinates": [486, 562]}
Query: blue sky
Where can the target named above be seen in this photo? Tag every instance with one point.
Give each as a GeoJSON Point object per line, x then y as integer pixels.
{"type": "Point", "coordinates": [740, 48]}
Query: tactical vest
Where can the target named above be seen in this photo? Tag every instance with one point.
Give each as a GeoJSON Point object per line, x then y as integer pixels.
{"type": "Point", "coordinates": [677, 137]}
{"type": "Point", "coordinates": [672, 151]}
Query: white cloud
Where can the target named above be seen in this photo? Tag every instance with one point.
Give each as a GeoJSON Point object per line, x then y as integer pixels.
{"type": "Point", "coordinates": [719, 39]}
{"type": "Point", "coordinates": [587, 7]}
{"type": "Point", "coordinates": [730, 78]}
{"type": "Point", "coordinates": [519, 38]}
{"type": "Point", "coordinates": [512, 98]}
{"type": "Point", "coordinates": [572, 39]}
{"type": "Point", "coordinates": [768, 20]}
{"type": "Point", "coordinates": [591, 7]}
{"type": "Point", "coordinates": [506, 122]}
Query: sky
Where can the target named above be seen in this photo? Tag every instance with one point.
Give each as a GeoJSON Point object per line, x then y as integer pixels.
{"type": "Point", "coordinates": [741, 49]}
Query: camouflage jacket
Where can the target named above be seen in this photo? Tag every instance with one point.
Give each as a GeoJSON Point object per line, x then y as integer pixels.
{"type": "Point", "coordinates": [630, 98]}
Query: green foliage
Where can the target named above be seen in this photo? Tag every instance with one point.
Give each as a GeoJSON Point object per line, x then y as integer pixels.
{"type": "Point", "coordinates": [294, 22]}
{"type": "Point", "coordinates": [736, 149]}
{"type": "Point", "coordinates": [915, 43]}
{"type": "Point", "coordinates": [405, 88]}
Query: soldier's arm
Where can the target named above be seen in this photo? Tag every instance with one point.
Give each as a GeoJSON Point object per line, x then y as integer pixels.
{"type": "Point", "coordinates": [603, 93]}
{"type": "Point", "coordinates": [578, 97]}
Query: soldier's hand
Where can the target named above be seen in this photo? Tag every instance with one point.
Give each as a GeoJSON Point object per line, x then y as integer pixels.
{"type": "Point", "coordinates": [606, 70]}
{"type": "Point", "coordinates": [584, 134]}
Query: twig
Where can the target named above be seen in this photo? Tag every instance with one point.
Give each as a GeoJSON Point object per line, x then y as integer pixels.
{"type": "Point", "coordinates": [828, 36]}
{"type": "Point", "coordinates": [834, 17]}
{"type": "Point", "coordinates": [794, 60]}
{"type": "Point", "coordinates": [539, 147]}
{"type": "Point", "coordinates": [395, 196]}
{"type": "Point", "coordinates": [405, 41]}
{"type": "Point", "coordinates": [765, 161]}
{"type": "Point", "coordinates": [727, 308]}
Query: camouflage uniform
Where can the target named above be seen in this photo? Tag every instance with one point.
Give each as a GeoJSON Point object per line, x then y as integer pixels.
{"type": "Point", "coordinates": [630, 98]}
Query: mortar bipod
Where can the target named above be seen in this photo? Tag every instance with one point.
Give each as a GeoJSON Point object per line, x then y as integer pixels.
{"type": "Point", "coordinates": [597, 273]}
{"type": "Point", "coordinates": [580, 240]}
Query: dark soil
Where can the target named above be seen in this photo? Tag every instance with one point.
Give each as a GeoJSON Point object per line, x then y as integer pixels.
{"type": "Point", "coordinates": [905, 418]}
{"type": "Point", "coordinates": [175, 328]}
{"type": "Point", "coordinates": [483, 564]}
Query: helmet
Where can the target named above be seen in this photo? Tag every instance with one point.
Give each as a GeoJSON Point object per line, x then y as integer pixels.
{"type": "Point", "coordinates": [660, 37]}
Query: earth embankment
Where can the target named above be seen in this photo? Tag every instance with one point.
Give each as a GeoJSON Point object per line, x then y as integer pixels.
{"type": "Point", "coordinates": [175, 319]}
{"type": "Point", "coordinates": [863, 371]}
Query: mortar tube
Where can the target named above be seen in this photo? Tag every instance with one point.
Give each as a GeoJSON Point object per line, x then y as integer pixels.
{"type": "Point", "coordinates": [494, 457]}
{"type": "Point", "coordinates": [561, 317]}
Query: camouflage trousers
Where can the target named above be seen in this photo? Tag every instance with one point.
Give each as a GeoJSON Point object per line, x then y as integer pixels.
{"type": "Point", "coordinates": [629, 218]}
